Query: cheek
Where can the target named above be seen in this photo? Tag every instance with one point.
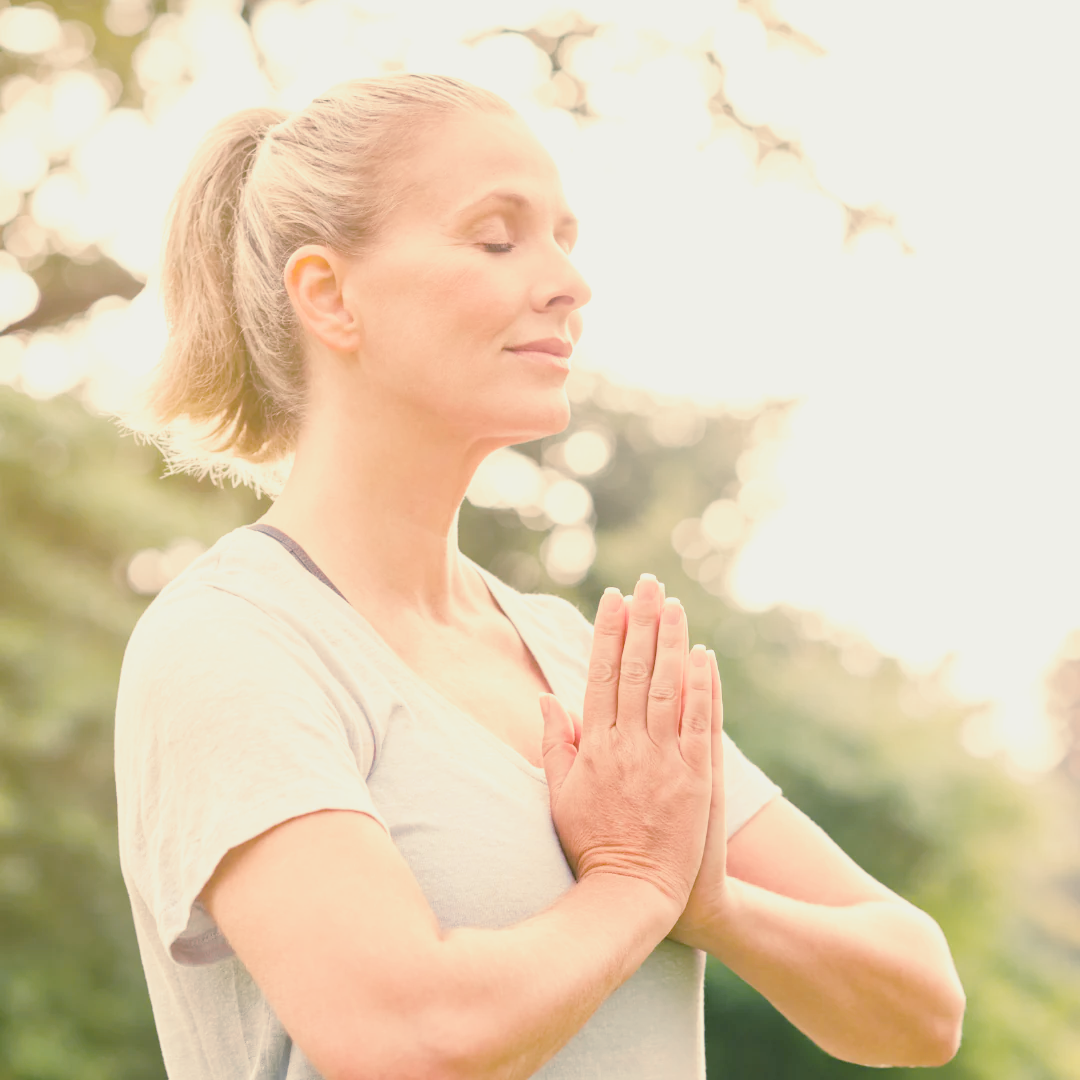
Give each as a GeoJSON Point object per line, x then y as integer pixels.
{"type": "Point", "coordinates": [416, 310]}
{"type": "Point", "coordinates": [469, 304]}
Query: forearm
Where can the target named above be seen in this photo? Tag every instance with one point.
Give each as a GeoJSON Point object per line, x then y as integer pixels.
{"type": "Point", "coordinates": [517, 995]}
{"type": "Point", "coordinates": [872, 983]}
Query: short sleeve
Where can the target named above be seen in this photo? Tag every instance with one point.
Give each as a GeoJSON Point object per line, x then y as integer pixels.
{"type": "Point", "coordinates": [746, 788]}
{"type": "Point", "coordinates": [227, 725]}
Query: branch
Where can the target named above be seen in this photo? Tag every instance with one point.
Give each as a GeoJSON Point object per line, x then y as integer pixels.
{"type": "Point", "coordinates": [68, 288]}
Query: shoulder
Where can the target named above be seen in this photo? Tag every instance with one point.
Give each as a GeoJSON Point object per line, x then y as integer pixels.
{"type": "Point", "coordinates": [225, 662]}
{"type": "Point", "coordinates": [232, 623]}
{"type": "Point", "coordinates": [245, 580]}
{"type": "Point", "coordinates": [216, 595]}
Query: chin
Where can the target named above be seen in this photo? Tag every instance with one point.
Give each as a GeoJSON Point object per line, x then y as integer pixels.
{"type": "Point", "coordinates": [557, 418]}
{"type": "Point", "coordinates": [544, 415]}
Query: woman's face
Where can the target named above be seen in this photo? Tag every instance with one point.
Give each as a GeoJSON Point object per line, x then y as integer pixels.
{"type": "Point", "coordinates": [473, 265]}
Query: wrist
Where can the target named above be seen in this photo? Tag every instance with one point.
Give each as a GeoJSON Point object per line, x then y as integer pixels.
{"type": "Point", "coordinates": [717, 924]}
{"type": "Point", "coordinates": [630, 892]}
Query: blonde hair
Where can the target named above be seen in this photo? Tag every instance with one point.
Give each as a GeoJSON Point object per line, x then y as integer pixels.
{"type": "Point", "coordinates": [228, 397]}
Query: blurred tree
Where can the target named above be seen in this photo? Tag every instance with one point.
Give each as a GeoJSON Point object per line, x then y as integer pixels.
{"type": "Point", "coordinates": [871, 754]}
{"type": "Point", "coordinates": [98, 39]}
{"type": "Point", "coordinates": [1064, 704]}
{"type": "Point", "coordinates": [104, 41]}
{"type": "Point", "coordinates": [77, 502]}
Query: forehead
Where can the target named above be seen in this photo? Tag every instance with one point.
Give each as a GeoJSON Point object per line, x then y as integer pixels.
{"type": "Point", "coordinates": [458, 161]}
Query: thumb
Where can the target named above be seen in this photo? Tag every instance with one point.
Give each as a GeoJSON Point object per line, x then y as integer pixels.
{"type": "Point", "coordinates": [558, 747]}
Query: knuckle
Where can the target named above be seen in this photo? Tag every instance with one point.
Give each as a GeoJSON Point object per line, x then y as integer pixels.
{"type": "Point", "coordinates": [697, 721]}
{"type": "Point", "coordinates": [643, 617]}
{"type": "Point", "coordinates": [603, 672]}
{"type": "Point", "coordinates": [608, 628]}
{"type": "Point", "coordinates": [635, 670]}
{"type": "Point", "coordinates": [663, 693]}
{"type": "Point", "coordinates": [700, 680]}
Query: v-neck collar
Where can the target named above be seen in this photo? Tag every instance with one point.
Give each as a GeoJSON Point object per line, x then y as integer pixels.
{"type": "Point", "coordinates": [505, 599]}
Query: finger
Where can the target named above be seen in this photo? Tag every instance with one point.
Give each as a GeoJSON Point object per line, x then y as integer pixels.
{"type": "Point", "coordinates": [695, 737]}
{"type": "Point", "coordinates": [717, 695]}
{"type": "Point", "coordinates": [665, 689]}
{"type": "Point", "coordinates": [576, 717]}
{"type": "Point", "coordinates": [717, 811]}
{"type": "Point", "coordinates": [557, 750]}
{"type": "Point", "coordinates": [639, 652]}
{"type": "Point", "coordinates": [602, 688]}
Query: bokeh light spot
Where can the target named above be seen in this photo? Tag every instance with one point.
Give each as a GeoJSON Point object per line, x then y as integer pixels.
{"type": "Point", "coordinates": [568, 552]}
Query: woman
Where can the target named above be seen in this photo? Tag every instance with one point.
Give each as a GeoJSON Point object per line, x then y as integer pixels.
{"type": "Point", "coordinates": [354, 848]}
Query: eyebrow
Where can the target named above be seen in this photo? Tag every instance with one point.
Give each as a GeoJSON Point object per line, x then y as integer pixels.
{"type": "Point", "coordinates": [515, 198]}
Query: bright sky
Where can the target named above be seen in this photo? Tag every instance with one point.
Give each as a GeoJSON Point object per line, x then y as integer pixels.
{"type": "Point", "coordinates": [925, 476]}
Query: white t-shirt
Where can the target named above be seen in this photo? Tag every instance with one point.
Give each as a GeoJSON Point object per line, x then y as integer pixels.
{"type": "Point", "coordinates": [251, 693]}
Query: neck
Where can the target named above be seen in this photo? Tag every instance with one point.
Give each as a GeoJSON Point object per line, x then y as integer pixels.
{"type": "Point", "coordinates": [374, 499]}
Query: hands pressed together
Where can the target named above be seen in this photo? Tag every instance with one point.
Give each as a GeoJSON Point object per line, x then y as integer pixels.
{"type": "Point", "coordinates": [637, 783]}
{"type": "Point", "coordinates": [637, 789]}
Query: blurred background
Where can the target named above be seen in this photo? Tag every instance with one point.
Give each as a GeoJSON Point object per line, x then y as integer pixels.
{"type": "Point", "coordinates": [827, 393]}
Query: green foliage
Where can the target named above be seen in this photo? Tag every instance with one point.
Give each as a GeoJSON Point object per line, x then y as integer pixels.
{"type": "Point", "coordinates": [86, 38]}
{"type": "Point", "coordinates": [76, 502]}
{"type": "Point", "coordinates": [70, 280]}
{"type": "Point", "coordinates": [896, 790]}
{"type": "Point", "coordinates": [874, 758]}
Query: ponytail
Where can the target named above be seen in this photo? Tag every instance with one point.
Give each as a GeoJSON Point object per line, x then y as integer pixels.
{"type": "Point", "coordinates": [229, 395]}
{"type": "Point", "coordinates": [209, 374]}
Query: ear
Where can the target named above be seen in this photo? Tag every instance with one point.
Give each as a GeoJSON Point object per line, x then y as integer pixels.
{"type": "Point", "coordinates": [314, 278]}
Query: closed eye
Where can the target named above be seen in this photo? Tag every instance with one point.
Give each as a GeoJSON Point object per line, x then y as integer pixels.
{"type": "Point", "coordinates": [498, 249]}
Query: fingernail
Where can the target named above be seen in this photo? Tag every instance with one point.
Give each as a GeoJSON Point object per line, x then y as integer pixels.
{"type": "Point", "coordinates": [611, 600]}
{"type": "Point", "coordinates": [671, 611]}
{"type": "Point", "coordinates": [698, 656]}
{"type": "Point", "coordinates": [645, 585]}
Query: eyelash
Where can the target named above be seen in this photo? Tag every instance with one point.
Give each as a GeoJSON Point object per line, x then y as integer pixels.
{"type": "Point", "coordinates": [498, 249]}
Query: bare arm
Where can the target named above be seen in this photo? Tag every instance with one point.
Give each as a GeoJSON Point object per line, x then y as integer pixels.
{"type": "Point", "coordinates": [529, 988]}
{"type": "Point", "coordinates": [863, 973]}
{"type": "Point", "coordinates": [370, 988]}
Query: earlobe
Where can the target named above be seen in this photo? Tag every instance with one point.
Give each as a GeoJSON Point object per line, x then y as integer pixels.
{"type": "Point", "coordinates": [314, 279]}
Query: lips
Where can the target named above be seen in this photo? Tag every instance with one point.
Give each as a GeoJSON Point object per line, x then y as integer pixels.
{"type": "Point", "coordinates": [551, 346]}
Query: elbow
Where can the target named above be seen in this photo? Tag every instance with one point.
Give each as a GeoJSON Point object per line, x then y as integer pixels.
{"type": "Point", "coordinates": [418, 1040]}
{"type": "Point", "coordinates": [939, 1048]}
{"type": "Point", "coordinates": [942, 1018]}
{"type": "Point", "coordinates": [945, 1032]}
{"type": "Point", "coordinates": [411, 1056]}
{"type": "Point", "coordinates": [939, 1034]}
{"type": "Point", "coordinates": [924, 1040]}
{"type": "Point", "coordinates": [451, 1048]}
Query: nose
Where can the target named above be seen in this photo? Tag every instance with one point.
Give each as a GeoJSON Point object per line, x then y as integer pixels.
{"type": "Point", "coordinates": [563, 285]}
